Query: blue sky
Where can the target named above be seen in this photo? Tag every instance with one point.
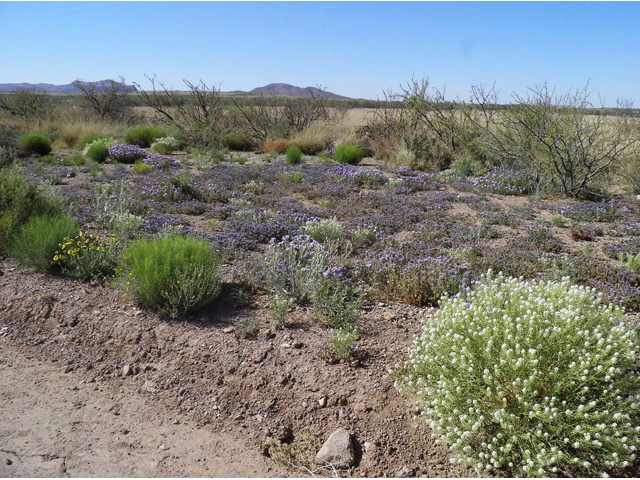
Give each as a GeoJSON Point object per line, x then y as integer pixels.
{"type": "Point", "coordinates": [356, 49]}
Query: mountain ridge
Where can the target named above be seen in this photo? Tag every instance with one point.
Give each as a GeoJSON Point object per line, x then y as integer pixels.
{"type": "Point", "coordinates": [278, 89]}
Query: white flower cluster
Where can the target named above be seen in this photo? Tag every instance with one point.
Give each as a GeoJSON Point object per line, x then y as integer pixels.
{"type": "Point", "coordinates": [530, 377]}
{"type": "Point", "coordinates": [165, 145]}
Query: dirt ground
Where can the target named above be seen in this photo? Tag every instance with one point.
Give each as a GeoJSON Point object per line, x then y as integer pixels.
{"type": "Point", "coordinates": [92, 386]}
{"type": "Point", "coordinates": [54, 424]}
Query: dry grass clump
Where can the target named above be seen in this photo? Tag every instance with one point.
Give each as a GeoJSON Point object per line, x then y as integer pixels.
{"type": "Point", "coordinates": [279, 145]}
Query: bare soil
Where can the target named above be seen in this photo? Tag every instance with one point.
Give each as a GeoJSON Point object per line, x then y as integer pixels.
{"type": "Point", "coordinates": [92, 386]}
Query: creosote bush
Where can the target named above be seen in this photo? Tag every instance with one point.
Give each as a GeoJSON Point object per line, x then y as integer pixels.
{"type": "Point", "coordinates": [173, 275]}
{"type": "Point", "coordinates": [536, 378]}
{"type": "Point", "coordinates": [35, 144]}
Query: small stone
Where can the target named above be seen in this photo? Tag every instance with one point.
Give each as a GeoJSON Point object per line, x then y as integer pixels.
{"type": "Point", "coordinates": [163, 447]}
{"type": "Point", "coordinates": [127, 370]}
{"type": "Point", "coordinates": [337, 450]}
{"type": "Point", "coordinates": [229, 330]}
{"type": "Point", "coordinates": [150, 386]}
{"type": "Point", "coordinates": [406, 472]}
{"type": "Point", "coordinates": [8, 461]}
{"type": "Point", "coordinates": [286, 345]}
{"type": "Point", "coordinates": [305, 403]}
{"type": "Point", "coordinates": [368, 446]}
{"type": "Point", "coordinates": [389, 317]}
{"type": "Point", "coordinates": [322, 402]}
{"type": "Point", "coordinates": [125, 431]}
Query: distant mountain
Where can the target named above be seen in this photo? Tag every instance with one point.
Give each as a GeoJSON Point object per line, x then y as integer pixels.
{"type": "Point", "coordinates": [286, 90]}
{"type": "Point", "coordinates": [68, 88]}
{"type": "Point", "coordinates": [279, 89]}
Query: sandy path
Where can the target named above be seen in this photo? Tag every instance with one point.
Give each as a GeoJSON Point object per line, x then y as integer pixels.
{"type": "Point", "coordinates": [51, 425]}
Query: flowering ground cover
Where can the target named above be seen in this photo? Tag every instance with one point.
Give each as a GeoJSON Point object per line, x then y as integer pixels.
{"type": "Point", "coordinates": [318, 243]}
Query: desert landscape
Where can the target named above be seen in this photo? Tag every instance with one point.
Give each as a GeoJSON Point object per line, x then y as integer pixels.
{"type": "Point", "coordinates": [199, 283]}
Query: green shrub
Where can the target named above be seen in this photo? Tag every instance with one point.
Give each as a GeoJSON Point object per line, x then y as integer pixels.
{"type": "Point", "coordinates": [98, 149]}
{"type": "Point", "coordinates": [143, 136]}
{"type": "Point", "coordinates": [21, 198]}
{"type": "Point", "coordinates": [632, 261]}
{"type": "Point", "coordinates": [35, 144]}
{"type": "Point", "coordinates": [173, 275]}
{"type": "Point", "coordinates": [341, 348]}
{"type": "Point", "coordinates": [348, 153]}
{"type": "Point", "coordinates": [36, 242]}
{"type": "Point", "coordinates": [87, 256]}
{"type": "Point", "coordinates": [97, 152]}
{"type": "Point", "coordinates": [165, 145]}
{"type": "Point", "coordinates": [281, 308]}
{"type": "Point", "coordinates": [335, 301]}
{"type": "Point", "coordinates": [8, 155]}
{"type": "Point", "coordinates": [537, 378]}
{"type": "Point", "coordinates": [293, 155]}
{"type": "Point", "coordinates": [239, 142]}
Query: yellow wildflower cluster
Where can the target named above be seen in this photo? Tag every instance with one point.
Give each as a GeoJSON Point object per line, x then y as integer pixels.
{"type": "Point", "coordinates": [82, 244]}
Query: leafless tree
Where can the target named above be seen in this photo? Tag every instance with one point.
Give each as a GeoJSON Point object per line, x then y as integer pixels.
{"type": "Point", "coordinates": [108, 101]}
{"type": "Point", "coordinates": [272, 116]}
{"type": "Point", "coordinates": [199, 113]}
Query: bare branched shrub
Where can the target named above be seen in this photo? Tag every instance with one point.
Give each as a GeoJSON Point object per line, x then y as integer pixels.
{"type": "Point", "coordinates": [272, 116]}
{"type": "Point", "coordinates": [564, 139]}
{"type": "Point", "coordinates": [27, 103]}
{"type": "Point", "coordinates": [108, 101]}
{"type": "Point", "coordinates": [198, 114]}
{"type": "Point", "coordinates": [421, 124]}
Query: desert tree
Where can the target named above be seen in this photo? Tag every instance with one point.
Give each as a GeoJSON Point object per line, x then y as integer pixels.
{"type": "Point", "coordinates": [421, 122]}
{"type": "Point", "coordinates": [197, 113]}
{"type": "Point", "coordinates": [271, 116]}
{"type": "Point", "coordinates": [108, 101]}
{"type": "Point", "coordinates": [27, 103]}
{"type": "Point", "coordinates": [563, 138]}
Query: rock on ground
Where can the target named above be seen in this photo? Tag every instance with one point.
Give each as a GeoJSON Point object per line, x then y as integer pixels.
{"type": "Point", "coordinates": [337, 450]}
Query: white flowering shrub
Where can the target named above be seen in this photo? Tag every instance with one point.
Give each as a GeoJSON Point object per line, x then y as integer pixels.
{"type": "Point", "coordinates": [537, 378]}
{"type": "Point", "coordinates": [165, 145]}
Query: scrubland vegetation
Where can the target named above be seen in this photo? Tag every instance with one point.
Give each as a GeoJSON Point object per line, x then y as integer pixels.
{"type": "Point", "coordinates": [532, 371]}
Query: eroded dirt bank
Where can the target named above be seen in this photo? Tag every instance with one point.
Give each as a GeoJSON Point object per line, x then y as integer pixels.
{"type": "Point", "coordinates": [81, 365]}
